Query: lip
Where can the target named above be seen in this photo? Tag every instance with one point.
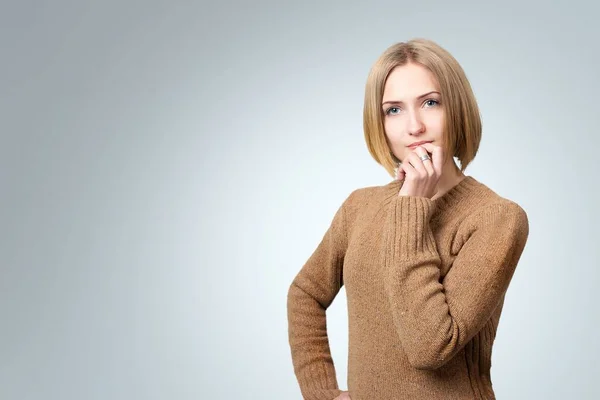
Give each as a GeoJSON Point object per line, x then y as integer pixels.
{"type": "Point", "coordinates": [415, 144]}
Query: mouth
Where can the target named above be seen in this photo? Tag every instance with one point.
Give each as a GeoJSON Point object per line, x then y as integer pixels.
{"type": "Point", "coordinates": [415, 144]}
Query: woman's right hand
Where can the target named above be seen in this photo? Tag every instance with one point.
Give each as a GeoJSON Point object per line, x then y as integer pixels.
{"type": "Point", "coordinates": [343, 396]}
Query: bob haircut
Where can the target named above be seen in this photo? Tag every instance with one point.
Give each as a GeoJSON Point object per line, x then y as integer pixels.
{"type": "Point", "coordinates": [462, 121]}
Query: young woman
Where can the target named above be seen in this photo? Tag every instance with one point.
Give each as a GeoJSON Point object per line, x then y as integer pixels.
{"type": "Point", "coordinates": [426, 260]}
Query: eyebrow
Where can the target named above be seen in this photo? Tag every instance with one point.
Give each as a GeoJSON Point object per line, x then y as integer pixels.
{"type": "Point", "coordinates": [420, 97]}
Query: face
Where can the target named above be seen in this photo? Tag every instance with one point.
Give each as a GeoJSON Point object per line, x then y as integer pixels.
{"type": "Point", "coordinates": [412, 109]}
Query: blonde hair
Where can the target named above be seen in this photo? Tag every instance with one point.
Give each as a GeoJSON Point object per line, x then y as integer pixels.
{"type": "Point", "coordinates": [462, 125]}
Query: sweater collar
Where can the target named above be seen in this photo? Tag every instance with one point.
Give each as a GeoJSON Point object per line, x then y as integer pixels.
{"type": "Point", "coordinates": [463, 190]}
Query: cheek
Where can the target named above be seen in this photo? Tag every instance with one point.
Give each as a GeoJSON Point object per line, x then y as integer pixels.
{"type": "Point", "coordinates": [392, 128]}
{"type": "Point", "coordinates": [435, 125]}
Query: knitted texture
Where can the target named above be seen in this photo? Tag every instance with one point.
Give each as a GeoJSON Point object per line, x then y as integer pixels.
{"type": "Point", "coordinates": [425, 283]}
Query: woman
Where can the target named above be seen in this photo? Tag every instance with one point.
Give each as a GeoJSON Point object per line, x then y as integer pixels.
{"type": "Point", "coordinates": [426, 259]}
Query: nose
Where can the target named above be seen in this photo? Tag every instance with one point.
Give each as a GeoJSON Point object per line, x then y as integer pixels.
{"type": "Point", "coordinates": [415, 124]}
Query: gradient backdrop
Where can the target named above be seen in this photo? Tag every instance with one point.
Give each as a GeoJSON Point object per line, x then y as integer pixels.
{"type": "Point", "coordinates": [166, 168]}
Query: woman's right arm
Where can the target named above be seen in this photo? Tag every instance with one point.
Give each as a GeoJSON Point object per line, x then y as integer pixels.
{"type": "Point", "coordinates": [310, 294]}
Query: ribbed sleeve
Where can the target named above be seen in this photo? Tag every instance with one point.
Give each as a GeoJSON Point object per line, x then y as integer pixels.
{"type": "Point", "coordinates": [412, 214]}
{"type": "Point", "coordinates": [435, 319]}
{"type": "Point", "coordinates": [309, 295]}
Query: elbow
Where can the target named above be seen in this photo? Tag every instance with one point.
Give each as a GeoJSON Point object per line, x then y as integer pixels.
{"type": "Point", "coordinates": [425, 365]}
{"type": "Point", "coordinates": [425, 361]}
{"type": "Point", "coordinates": [431, 353]}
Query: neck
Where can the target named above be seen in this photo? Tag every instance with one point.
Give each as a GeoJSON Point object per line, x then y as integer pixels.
{"type": "Point", "coordinates": [451, 176]}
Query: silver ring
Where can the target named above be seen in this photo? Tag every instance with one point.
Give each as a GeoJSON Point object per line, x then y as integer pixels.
{"type": "Point", "coordinates": [425, 157]}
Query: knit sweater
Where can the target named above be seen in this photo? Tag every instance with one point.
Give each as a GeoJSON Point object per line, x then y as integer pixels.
{"type": "Point", "coordinates": [425, 284]}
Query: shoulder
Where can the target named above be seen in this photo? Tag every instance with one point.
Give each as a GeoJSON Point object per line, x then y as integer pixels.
{"type": "Point", "coordinates": [366, 195]}
{"type": "Point", "coordinates": [366, 201]}
{"type": "Point", "coordinates": [492, 200]}
{"type": "Point", "coordinates": [496, 211]}
{"type": "Point", "coordinates": [502, 208]}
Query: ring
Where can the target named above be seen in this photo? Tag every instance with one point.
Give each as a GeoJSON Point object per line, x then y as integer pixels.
{"type": "Point", "coordinates": [425, 157]}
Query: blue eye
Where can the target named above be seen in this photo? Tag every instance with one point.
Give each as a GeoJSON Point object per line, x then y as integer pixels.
{"type": "Point", "coordinates": [435, 102]}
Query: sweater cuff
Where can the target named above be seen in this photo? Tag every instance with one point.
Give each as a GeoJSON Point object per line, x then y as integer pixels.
{"type": "Point", "coordinates": [411, 233]}
{"type": "Point", "coordinates": [318, 381]}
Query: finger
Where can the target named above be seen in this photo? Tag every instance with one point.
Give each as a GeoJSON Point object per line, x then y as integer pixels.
{"type": "Point", "coordinates": [437, 156]}
{"type": "Point", "coordinates": [428, 164]}
{"type": "Point", "coordinates": [417, 163]}
{"type": "Point", "coordinates": [399, 172]}
{"type": "Point", "coordinates": [407, 168]}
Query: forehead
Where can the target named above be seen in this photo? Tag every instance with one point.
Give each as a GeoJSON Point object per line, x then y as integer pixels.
{"type": "Point", "coordinates": [408, 81]}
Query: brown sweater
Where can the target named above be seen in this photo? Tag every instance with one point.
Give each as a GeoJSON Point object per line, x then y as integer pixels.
{"type": "Point", "coordinates": [425, 283]}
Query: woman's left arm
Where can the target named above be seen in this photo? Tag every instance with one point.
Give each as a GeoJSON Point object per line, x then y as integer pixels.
{"type": "Point", "coordinates": [435, 320]}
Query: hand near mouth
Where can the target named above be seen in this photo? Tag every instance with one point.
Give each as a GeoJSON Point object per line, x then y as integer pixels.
{"type": "Point", "coordinates": [421, 176]}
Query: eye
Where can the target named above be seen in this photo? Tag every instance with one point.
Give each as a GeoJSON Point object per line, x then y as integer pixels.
{"type": "Point", "coordinates": [430, 102]}
{"type": "Point", "coordinates": [387, 112]}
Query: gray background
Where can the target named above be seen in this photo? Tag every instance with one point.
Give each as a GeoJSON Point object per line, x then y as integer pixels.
{"type": "Point", "coordinates": [167, 168]}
